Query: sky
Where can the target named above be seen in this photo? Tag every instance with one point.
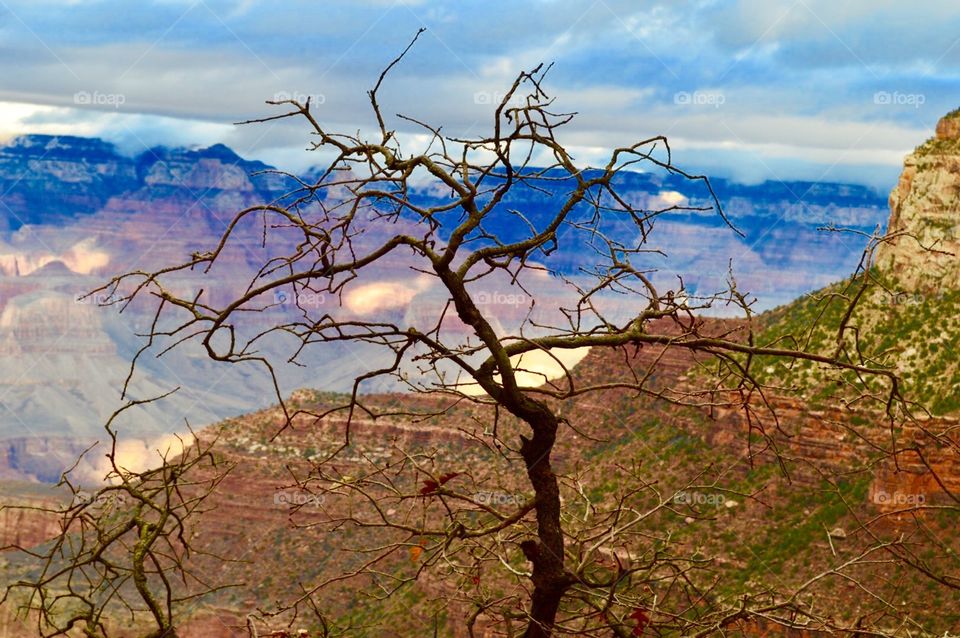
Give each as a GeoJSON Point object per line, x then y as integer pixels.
{"type": "Point", "coordinates": [752, 90]}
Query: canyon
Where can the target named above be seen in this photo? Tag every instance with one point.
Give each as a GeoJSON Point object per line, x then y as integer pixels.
{"type": "Point", "coordinates": [271, 527]}
{"type": "Point", "coordinates": [77, 212]}
{"type": "Point", "coordinates": [775, 507]}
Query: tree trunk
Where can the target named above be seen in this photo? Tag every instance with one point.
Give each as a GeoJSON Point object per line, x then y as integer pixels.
{"type": "Point", "coordinates": [550, 579]}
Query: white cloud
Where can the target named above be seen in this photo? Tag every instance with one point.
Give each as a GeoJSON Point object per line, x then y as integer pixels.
{"type": "Point", "coordinates": [797, 80]}
{"type": "Point", "coordinates": [536, 368]}
{"type": "Point", "coordinates": [384, 295]}
{"type": "Point", "coordinates": [83, 258]}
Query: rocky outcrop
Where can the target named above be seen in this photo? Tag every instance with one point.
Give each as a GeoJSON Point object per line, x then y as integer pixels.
{"type": "Point", "coordinates": [216, 167]}
{"type": "Point", "coordinates": [923, 235]}
{"type": "Point", "coordinates": [913, 464]}
{"type": "Point", "coordinates": [47, 178]}
{"type": "Point", "coordinates": [26, 519]}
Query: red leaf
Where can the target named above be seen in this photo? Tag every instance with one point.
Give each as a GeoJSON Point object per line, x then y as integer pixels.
{"type": "Point", "coordinates": [449, 475]}
{"type": "Point", "coordinates": [642, 621]}
{"type": "Point", "coordinates": [429, 487]}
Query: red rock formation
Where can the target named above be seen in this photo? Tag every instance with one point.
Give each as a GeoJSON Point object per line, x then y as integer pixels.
{"type": "Point", "coordinates": [21, 526]}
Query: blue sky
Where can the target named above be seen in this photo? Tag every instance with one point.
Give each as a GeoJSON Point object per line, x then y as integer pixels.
{"type": "Point", "coordinates": [749, 89]}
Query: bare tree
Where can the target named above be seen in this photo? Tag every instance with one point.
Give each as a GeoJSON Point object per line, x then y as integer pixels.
{"type": "Point", "coordinates": [569, 565]}
{"type": "Point", "coordinates": [123, 546]}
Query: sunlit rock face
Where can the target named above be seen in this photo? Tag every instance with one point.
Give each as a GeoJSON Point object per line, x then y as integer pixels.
{"type": "Point", "coordinates": [924, 229]}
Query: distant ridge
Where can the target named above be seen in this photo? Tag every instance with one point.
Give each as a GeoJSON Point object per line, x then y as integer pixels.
{"type": "Point", "coordinates": [45, 178]}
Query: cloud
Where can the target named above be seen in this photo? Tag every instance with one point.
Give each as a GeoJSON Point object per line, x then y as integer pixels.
{"type": "Point", "coordinates": [384, 295]}
{"type": "Point", "coordinates": [536, 368]}
{"type": "Point", "coordinates": [794, 78]}
{"type": "Point", "coordinates": [82, 258]}
{"type": "Point", "coordinates": [134, 455]}
{"type": "Point", "coordinates": [860, 33]}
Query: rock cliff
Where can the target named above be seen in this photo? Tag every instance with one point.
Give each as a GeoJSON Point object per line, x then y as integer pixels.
{"type": "Point", "coordinates": [924, 229]}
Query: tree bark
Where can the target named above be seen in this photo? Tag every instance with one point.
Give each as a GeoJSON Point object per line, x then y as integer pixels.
{"type": "Point", "coordinates": [550, 578]}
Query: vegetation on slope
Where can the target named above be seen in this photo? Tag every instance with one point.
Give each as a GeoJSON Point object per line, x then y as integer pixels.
{"type": "Point", "coordinates": [916, 334]}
